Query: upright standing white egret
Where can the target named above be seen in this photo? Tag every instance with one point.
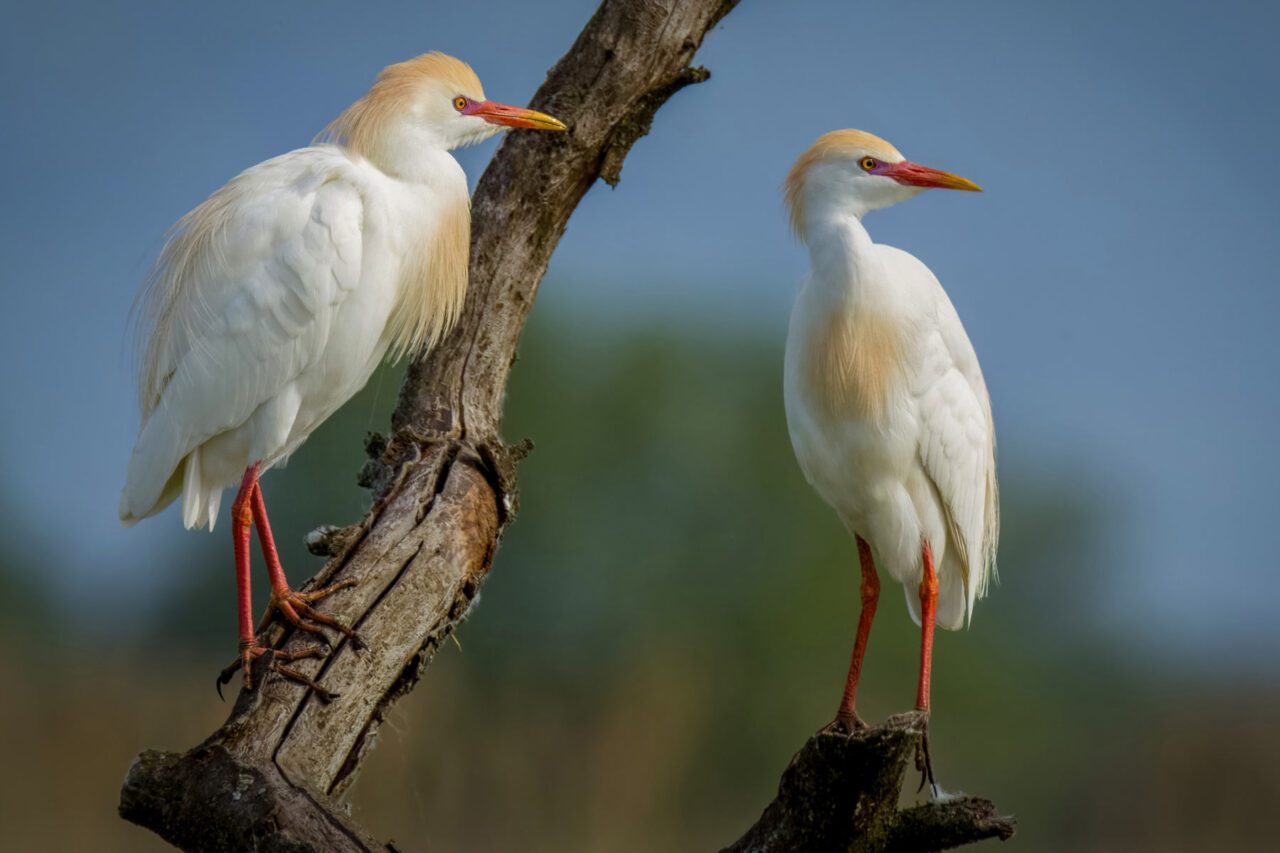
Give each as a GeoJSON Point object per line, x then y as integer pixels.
{"type": "Point", "coordinates": [274, 300]}
{"type": "Point", "coordinates": [887, 409]}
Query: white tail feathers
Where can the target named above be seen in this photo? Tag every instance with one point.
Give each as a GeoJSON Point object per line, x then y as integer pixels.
{"type": "Point", "coordinates": [952, 607]}
{"type": "Point", "coordinates": [149, 485]}
{"type": "Point", "coordinates": [158, 475]}
{"type": "Point", "coordinates": [199, 502]}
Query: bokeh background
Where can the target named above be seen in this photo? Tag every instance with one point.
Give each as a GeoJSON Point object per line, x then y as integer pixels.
{"type": "Point", "coordinates": [671, 615]}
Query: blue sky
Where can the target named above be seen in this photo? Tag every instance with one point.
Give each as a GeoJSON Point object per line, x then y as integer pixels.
{"type": "Point", "coordinates": [1118, 277]}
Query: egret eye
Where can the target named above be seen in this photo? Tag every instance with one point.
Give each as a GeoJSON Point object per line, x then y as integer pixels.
{"type": "Point", "coordinates": [459, 103]}
{"type": "Point", "coordinates": [867, 163]}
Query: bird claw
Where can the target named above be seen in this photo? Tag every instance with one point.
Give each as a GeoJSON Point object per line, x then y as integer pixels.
{"type": "Point", "coordinates": [296, 609]}
{"type": "Point", "coordinates": [250, 653]}
{"type": "Point", "coordinates": [844, 724]}
{"type": "Point", "coordinates": [301, 678]}
{"type": "Point", "coordinates": [924, 763]}
{"type": "Point", "coordinates": [225, 676]}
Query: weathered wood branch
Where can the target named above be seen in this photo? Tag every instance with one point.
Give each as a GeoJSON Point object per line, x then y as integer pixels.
{"type": "Point", "coordinates": [840, 795]}
{"type": "Point", "coordinates": [270, 777]}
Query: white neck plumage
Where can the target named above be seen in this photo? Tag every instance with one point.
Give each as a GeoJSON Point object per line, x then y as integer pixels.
{"type": "Point", "coordinates": [839, 247]}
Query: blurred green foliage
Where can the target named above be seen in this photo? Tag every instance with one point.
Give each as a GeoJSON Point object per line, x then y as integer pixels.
{"type": "Point", "coordinates": [668, 620]}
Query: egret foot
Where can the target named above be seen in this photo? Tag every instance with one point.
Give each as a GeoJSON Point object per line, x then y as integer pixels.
{"type": "Point", "coordinates": [251, 652]}
{"type": "Point", "coordinates": [924, 764]}
{"type": "Point", "coordinates": [248, 511]}
{"type": "Point", "coordinates": [296, 609]}
{"type": "Point", "coordinates": [845, 723]}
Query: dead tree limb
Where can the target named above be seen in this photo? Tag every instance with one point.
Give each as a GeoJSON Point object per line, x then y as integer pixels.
{"type": "Point", "coordinates": [272, 777]}
{"type": "Point", "coordinates": [840, 795]}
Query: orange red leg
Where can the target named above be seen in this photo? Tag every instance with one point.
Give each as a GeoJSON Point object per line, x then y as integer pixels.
{"type": "Point", "coordinates": [928, 615]}
{"type": "Point", "coordinates": [241, 518]}
{"type": "Point", "coordinates": [293, 606]}
{"type": "Point", "coordinates": [249, 509]}
{"type": "Point", "coordinates": [847, 719]}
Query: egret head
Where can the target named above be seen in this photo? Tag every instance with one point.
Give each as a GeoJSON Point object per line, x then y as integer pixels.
{"type": "Point", "coordinates": [434, 100]}
{"type": "Point", "coordinates": [852, 171]}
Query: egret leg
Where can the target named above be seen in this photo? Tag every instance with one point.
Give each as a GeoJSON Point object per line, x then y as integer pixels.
{"type": "Point", "coordinates": [241, 519]}
{"type": "Point", "coordinates": [294, 606]}
{"type": "Point", "coordinates": [847, 719]}
{"type": "Point", "coordinates": [248, 509]}
{"type": "Point", "coordinates": [928, 615]}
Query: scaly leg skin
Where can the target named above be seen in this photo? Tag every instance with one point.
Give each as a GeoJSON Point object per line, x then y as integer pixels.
{"type": "Point", "coordinates": [294, 606]}
{"type": "Point", "coordinates": [928, 615]}
{"type": "Point", "coordinates": [248, 655]}
{"type": "Point", "coordinates": [847, 720]}
{"type": "Point", "coordinates": [247, 509]}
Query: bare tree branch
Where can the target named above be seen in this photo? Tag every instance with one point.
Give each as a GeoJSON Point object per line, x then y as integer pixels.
{"type": "Point", "coordinates": [272, 777]}
{"type": "Point", "coordinates": [840, 795]}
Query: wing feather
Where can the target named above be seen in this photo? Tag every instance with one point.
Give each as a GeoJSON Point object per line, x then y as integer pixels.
{"type": "Point", "coordinates": [957, 447]}
{"type": "Point", "coordinates": [239, 304]}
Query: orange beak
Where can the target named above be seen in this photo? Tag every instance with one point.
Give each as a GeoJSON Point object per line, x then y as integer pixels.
{"type": "Point", "coordinates": [504, 114]}
{"type": "Point", "coordinates": [915, 175]}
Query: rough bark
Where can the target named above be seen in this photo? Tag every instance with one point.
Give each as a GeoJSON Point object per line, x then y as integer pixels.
{"type": "Point", "coordinates": [840, 795]}
{"type": "Point", "coordinates": [272, 777]}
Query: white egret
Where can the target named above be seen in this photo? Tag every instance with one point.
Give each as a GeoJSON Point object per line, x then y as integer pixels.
{"type": "Point", "coordinates": [886, 405]}
{"type": "Point", "coordinates": [274, 300]}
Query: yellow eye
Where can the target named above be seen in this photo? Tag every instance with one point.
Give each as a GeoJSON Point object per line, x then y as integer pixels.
{"type": "Point", "coordinates": [867, 163]}
{"type": "Point", "coordinates": [459, 103]}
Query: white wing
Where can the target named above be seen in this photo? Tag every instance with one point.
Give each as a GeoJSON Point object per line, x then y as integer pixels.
{"type": "Point", "coordinates": [957, 448]}
{"type": "Point", "coordinates": [242, 301]}
{"type": "Point", "coordinates": [956, 434]}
